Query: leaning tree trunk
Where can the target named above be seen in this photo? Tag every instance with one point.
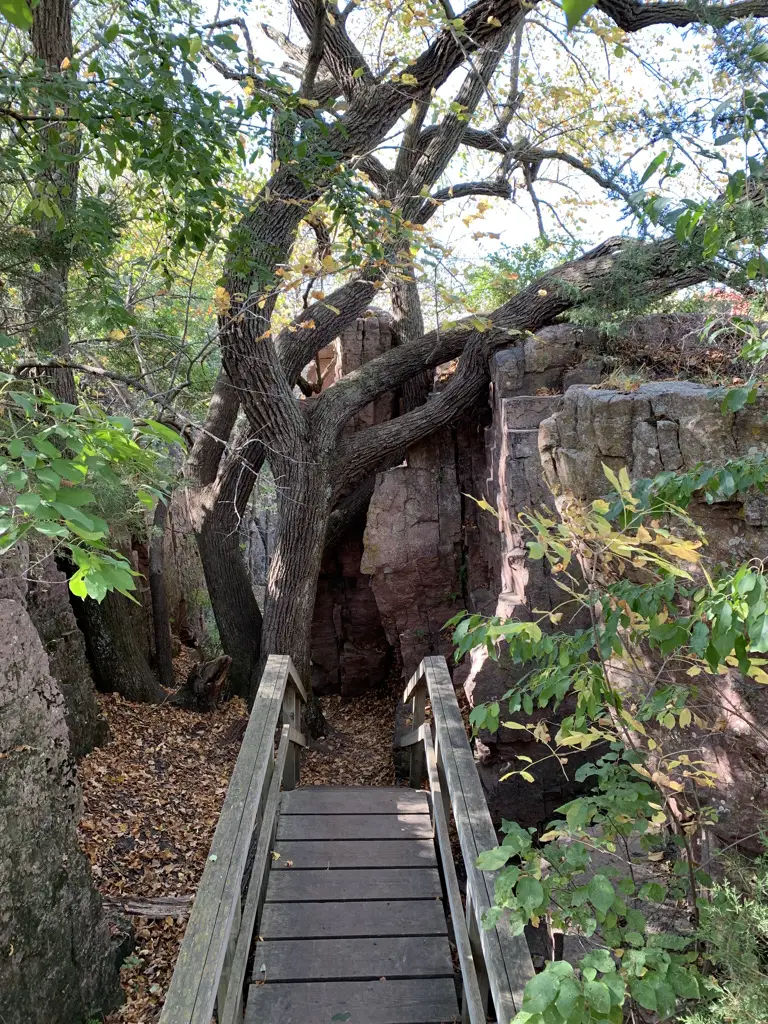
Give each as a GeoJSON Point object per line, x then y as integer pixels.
{"type": "Point", "coordinates": [234, 605]}
{"type": "Point", "coordinates": [161, 623]}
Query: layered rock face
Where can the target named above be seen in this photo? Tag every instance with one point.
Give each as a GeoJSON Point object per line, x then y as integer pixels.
{"type": "Point", "coordinates": [60, 962]}
{"type": "Point", "coordinates": [674, 426]}
{"type": "Point", "coordinates": [350, 652]}
{"type": "Point", "coordinates": [29, 575]}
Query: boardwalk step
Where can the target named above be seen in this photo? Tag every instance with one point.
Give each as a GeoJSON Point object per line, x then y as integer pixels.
{"type": "Point", "coordinates": [349, 959]}
{"type": "Point", "coordinates": [364, 884]}
{"type": "Point", "coordinates": [354, 800]}
{"type": "Point", "coordinates": [354, 826]}
{"type": "Point", "coordinates": [424, 1001]}
{"type": "Point", "coordinates": [328, 853]}
{"type": "Point", "coordinates": [345, 920]}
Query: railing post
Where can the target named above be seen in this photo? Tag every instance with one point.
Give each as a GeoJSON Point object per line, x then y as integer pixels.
{"type": "Point", "coordinates": [295, 696]}
{"type": "Point", "coordinates": [418, 714]}
{"type": "Point", "coordinates": [473, 930]}
{"type": "Point", "coordinates": [291, 717]}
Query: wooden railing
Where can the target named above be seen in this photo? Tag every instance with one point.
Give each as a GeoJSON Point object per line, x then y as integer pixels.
{"type": "Point", "coordinates": [493, 961]}
{"type": "Point", "coordinates": [212, 961]}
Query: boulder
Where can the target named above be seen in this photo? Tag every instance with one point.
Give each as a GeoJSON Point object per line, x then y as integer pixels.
{"type": "Point", "coordinates": [61, 957]}
{"type": "Point", "coordinates": [29, 575]}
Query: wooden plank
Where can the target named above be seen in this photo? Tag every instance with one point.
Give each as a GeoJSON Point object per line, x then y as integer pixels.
{"type": "Point", "coordinates": [416, 766]}
{"type": "Point", "coordinates": [192, 993]}
{"type": "Point", "coordinates": [423, 1001]}
{"type": "Point", "coordinates": [354, 826]}
{"type": "Point", "coordinates": [426, 956]}
{"type": "Point", "coordinates": [363, 884]}
{"type": "Point", "coordinates": [292, 718]}
{"type": "Point", "coordinates": [474, 1005]}
{"type": "Point", "coordinates": [232, 1002]}
{"type": "Point", "coordinates": [295, 679]}
{"type": "Point", "coordinates": [507, 958]}
{"type": "Point", "coordinates": [416, 680]}
{"type": "Point", "coordinates": [417, 736]}
{"type": "Point", "coordinates": [354, 800]}
{"type": "Point", "coordinates": [372, 853]}
{"type": "Point", "coordinates": [355, 918]}
{"type": "Point", "coordinates": [141, 906]}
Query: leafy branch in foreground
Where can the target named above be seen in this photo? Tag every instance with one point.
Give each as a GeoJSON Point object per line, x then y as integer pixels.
{"type": "Point", "coordinates": [621, 866]}
{"type": "Point", "coordinates": [54, 460]}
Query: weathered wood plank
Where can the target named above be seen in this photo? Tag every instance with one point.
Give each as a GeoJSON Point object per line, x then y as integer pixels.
{"type": "Point", "coordinates": [355, 918]}
{"type": "Point", "coordinates": [354, 826]}
{"type": "Point", "coordinates": [354, 800]}
{"type": "Point", "coordinates": [426, 956]}
{"type": "Point", "coordinates": [363, 884]}
{"type": "Point", "coordinates": [416, 766]}
{"type": "Point", "coordinates": [506, 956]}
{"type": "Point", "coordinates": [232, 997]}
{"type": "Point", "coordinates": [192, 992]}
{"type": "Point", "coordinates": [474, 1004]}
{"type": "Point", "coordinates": [371, 853]}
{"type": "Point", "coordinates": [422, 1001]}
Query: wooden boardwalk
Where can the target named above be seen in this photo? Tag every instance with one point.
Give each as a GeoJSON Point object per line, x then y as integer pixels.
{"type": "Point", "coordinates": [342, 905]}
{"type": "Point", "coordinates": [353, 925]}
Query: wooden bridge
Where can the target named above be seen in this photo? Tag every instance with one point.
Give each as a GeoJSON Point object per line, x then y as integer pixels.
{"type": "Point", "coordinates": [342, 904]}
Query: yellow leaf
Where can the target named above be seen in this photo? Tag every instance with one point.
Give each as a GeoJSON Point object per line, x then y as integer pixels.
{"type": "Point", "coordinates": [329, 264]}
{"type": "Point", "coordinates": [495, 22]}
{"type": "Point", "coordinates": [330, 17]}
{"type": "Point", "coordinates": [694, 670]}
{"type": "Point", "coordinates": [408, 79]}
{"type": "Point", "coordinates": [318, 295]}
{"type": "Point", "coordinates": [65, 64]}
{"type": "Point", "coordinates": [685, 717]}
{"type": "Point", "coordinates": [305, 102]}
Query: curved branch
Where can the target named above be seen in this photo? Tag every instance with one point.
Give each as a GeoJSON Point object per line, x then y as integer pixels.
{"type": "Point", "coordinates": [633, 16]}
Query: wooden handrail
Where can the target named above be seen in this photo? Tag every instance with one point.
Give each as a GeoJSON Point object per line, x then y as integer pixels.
{"type": "Point", "coordinates": [212, 960]}
{"type": "Point", "coordinates": [501, 961]}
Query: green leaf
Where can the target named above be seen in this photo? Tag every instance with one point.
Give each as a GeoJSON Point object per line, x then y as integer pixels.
{"type": "Point", "coordinates": [601, 893]}
{"type": "Point", "coordinates": [77, 584]}
{"type": "Point", "coordinates": [683, 982]}
{"type": "Point", "coordinates": [17, 12]}
{"type": "Point", "coordinates": [568, 997]}
{"type": "Point", "coordinates": [653, 166]}
{"type": "Point", "coordinates": [492, 860]}
{"type": "Point", "coordinates": [575, 11]}
{"type": "Point", "coordinates": [598, 995]}
{"type": "Point", "coordinates": [540, 992]}
{"type": "Point", "coordinates": [15, 448]}
{"type": "Point", "coordinates": [644, 993]}
{"type": "Point", "coordinates": [75, 496]}
{"type": "Point", "coordinates": [530, 893]}
{"type": "Point", "coordinates": [49, 477]}
{"type": "Point", "coordinates": [600, 959]}
{"type": "Point", "coordinates": [111, 33]}
{"type": "Point", "coordinates": [759, 52]}
{"type": "Point", "coordinates": [28, 501]}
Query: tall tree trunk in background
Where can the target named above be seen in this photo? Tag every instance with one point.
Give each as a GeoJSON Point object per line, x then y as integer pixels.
{"type": "Point", "coordinates": [45, 291]}
{"type": "Point", "coordinates": [161, 625]}
{"type": "Point", "coordinates": [113, 630]}
{"type": "Point", "coordinates": [219, 485]}
{"type": "Point", "coordinates": [409, 326]}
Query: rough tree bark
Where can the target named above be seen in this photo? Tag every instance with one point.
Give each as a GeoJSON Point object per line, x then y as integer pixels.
{"type": "Point", "coordinates": [45, 290]}
{"type": "Point", "coordinates": [161, 625]}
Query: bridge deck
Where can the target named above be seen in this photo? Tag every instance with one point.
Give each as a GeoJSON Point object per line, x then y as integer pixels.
{"type": "Point", "coordinates": [353, 927]}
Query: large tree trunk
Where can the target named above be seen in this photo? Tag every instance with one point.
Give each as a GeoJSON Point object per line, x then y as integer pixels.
{"type": "Point", "coordinates": [161, 625]}
{"type": "Point", "coordinates": [237, 614]}
{"type": "Point", "coordinates": [304, 512]}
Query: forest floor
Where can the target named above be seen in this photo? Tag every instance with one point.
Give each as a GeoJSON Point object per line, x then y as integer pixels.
{"type": "Point", "coordinates": [152, 797]}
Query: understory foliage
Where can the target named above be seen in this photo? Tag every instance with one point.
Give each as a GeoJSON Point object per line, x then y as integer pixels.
{"type": "Point", "coordinates": [622, 865]}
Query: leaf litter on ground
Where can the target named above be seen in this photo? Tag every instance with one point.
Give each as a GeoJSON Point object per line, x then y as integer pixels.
{"type": "Point", "coordinates": [152, 797]}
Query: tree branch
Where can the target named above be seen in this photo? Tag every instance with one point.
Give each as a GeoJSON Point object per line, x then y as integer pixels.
{"type": "Point", "coordinates": [633, 16]}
